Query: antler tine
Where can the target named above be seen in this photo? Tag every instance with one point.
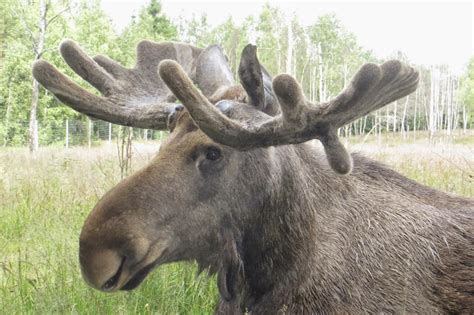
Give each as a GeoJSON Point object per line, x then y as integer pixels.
{"type": "Point", "coordinates": [65, 89]}
{"type": "Point", "coordinates": [304, 123]}
{"type": "Point", "coordinates": [95, 106]}
{"type": "Point", "coordinates": [132, 97]}
{"type": "Point", "coordinates": [371, 88]}
{"type": "Point", "coordinates": [206, 115]}
{"type": "Point", "coordinates": [85, 66]}
{"type": "Point", "coordinates": [290, 96]}
{"type": "Point", "coordinates": [111, 66]}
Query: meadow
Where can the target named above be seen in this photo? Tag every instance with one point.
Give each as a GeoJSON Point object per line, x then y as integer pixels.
{"type": "Point", "coordinates": [44, 201]}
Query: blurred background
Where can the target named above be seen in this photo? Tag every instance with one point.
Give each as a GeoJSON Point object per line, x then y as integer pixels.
{"type": "Point", "coordinates": [321, 44]}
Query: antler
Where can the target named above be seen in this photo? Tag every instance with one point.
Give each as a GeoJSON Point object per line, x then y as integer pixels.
{"type": "Point", "coordinates": [132, 97]}
{"type": "Point", "coordinates": [213, 73]}
{"type": "Point", "coordinates": [372, 87]}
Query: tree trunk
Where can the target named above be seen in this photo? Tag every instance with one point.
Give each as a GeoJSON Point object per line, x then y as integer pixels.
{"type": "Point", "coordinates": [455, 109]}
{"type": "Point", "coordinates": [289, 53]}
{"type": "Point", "coordinates": [395, 105]}
{"type": "Point", "coordinates": [278, 57]}
{"type": "Point", "coordinates": [364, 125]}
{"type": "Point", "coordinates": [449, 107]}
{"type": "Point", "coordinates": [432, 116]}
{"type": "Point", "coordinates": [464, 119]}
{"type": "Point", "coordinates": [124, 149]}
{"type": "Point", "coordinates": [403, 124]}
{"type": "Point", "coordinates": [6, 120]}
{"type": "Point", "coordinates": [322, 96]}
{"type": "Point", "coordinates": [378, 124]}
{"type": "Point", "coordinates": [33, 132]}
{"type": "Point", "coordinates": [414, 115]}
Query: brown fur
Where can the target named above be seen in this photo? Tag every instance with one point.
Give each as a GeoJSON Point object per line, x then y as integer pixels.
{"type": "Point", "coordinates": [286, 234]}
{"type": "Point", "coordinates": [283, 232]}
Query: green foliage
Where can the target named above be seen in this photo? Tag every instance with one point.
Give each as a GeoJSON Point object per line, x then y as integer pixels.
{"type": "Point", "coordinates": [160, 24]}
{"type": "Point", "coordinates": [195, 31]}
{"type": "Point", "coordinates": [232, 38]}
{"type": "Point", "coordinates": [466, 91]}
{"type": "Point", "coordinates": [325, 56]}
{"type": "Point", "coordinates": [151, 24]}
{"type": "Point", "coordinates": [84, 22]}
{"type": "Point", "coordinates": [15, 73]}
{"type": "Point", "coordinates": [269, 35]}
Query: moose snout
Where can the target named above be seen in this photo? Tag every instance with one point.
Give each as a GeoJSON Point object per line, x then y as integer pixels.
{"type": "Point", "coordinates": [123, 268]}
{"type": "Point", "coordinates": [102, 269]}
{"type": "Point", "coordinates": [121, 242]}
{"type": "Point", "coordinates": [110, 269]}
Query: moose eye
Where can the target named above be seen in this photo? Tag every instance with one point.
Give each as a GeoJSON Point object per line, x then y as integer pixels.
{"type": "Point", "coordinates": [213, 154]}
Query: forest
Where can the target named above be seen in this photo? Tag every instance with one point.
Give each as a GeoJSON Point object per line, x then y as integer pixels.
{"type": "Point", "coordinates": [322, 56]}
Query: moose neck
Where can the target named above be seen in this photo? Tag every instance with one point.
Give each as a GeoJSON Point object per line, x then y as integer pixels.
{"type": "Point", "coordinates": [277, 247]}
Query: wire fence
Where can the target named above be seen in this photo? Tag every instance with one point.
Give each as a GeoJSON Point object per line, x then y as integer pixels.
{"type": "Point", "coordinates": [73, 132]}
{"type": "Point", "coordinates": [88, 132]}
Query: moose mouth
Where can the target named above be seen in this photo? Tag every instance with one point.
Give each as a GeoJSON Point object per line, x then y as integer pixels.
{"type": "Point", "coordinates": [139, 277]}
{"type": "Point", "coordinates": [113, 283]}
{"type": "Point", "coordinates": [141, 274]}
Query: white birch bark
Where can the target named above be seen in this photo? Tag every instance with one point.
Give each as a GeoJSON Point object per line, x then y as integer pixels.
{"type": "Point", "coordinates": [39, 46]}
{"type": "Point", "coordinates": [289, 53]}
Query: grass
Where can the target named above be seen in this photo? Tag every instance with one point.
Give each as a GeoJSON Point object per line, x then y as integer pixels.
{"type": "Point", "coordinates": [44, 201]}
{"type": "Point", "coordinates": [43, 206]}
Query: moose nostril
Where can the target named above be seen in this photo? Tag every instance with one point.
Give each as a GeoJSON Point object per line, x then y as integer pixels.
{"type": "Point", "coordinates": [111, 283]}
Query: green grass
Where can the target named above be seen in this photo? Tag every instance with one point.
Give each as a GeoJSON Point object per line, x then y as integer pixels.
{"type": "Point", "coordinates": [43, 205]}
{"type": "Point", "coordinates": [44, 201]}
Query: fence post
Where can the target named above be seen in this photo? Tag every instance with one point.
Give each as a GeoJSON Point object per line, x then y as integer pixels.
{"type": "Point", "coordinates": [89, 133]}
{"type": "Point", "coordinates": [35, 136]}
{"type": "Point", "coordinates": [67, 133]}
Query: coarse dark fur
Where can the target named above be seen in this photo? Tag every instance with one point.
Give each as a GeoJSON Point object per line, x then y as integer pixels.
{"type": "Point", "coordinates": [286, 234]}
{"type": "Point", "coordinates": [283, 232]}
{"type": "Point", "coordinates": [373, 241]}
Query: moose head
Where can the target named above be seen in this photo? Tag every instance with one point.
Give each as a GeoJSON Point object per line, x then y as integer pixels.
{"type": "Point", "coordinates": [235, 186]}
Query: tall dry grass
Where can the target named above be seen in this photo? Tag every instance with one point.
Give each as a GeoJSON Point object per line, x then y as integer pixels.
{"type": "Point", "coordinates": [44, 201]}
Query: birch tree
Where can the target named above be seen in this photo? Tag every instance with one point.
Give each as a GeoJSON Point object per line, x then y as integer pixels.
{"type": "Point", "coordinates": [466, 95]}
{"type": "Point", "coordinates": [37, 28]}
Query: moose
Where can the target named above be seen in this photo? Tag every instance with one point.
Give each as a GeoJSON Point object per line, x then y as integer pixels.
{"type": "Point", "coordinates": [241, 187]}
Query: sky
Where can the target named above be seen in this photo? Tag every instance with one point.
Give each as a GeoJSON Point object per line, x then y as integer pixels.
{"type": "Point", "coordinates": [427, 32]}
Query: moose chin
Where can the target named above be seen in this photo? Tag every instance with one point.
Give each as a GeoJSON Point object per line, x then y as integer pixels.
{"type": "Point", "coordinates": [287, 226]}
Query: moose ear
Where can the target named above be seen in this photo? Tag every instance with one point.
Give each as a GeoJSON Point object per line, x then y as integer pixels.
{"type": "Point", "coordinates": [250, 74]}
{"type": "Point", "coordinates": [173, 117]}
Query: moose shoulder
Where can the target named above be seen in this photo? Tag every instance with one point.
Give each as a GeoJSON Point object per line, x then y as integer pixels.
{"type": "Point", "coordinates": [238, 188]}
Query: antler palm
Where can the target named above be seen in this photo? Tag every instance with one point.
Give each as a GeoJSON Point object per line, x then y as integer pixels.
{"type": "Point", "coordinates": [132, 97]}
